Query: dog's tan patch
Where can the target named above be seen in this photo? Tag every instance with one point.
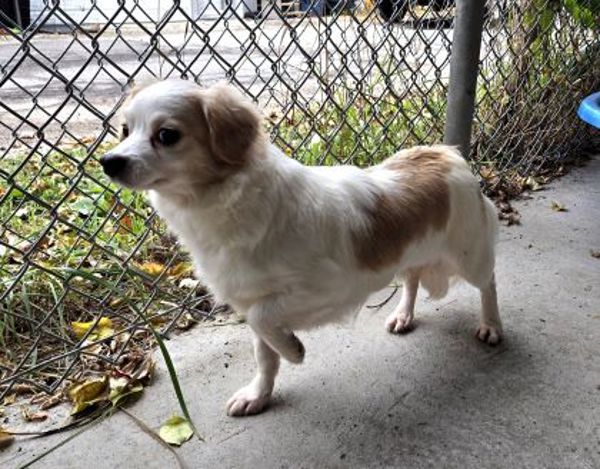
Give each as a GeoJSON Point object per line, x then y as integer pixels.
{"type": "Point", "coordinates": [420, 203]}
{"type": "Point", "coordinates": [234, 125]}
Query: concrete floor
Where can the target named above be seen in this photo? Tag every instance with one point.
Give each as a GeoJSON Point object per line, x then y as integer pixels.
{"type": "Point", "coordinates": [433, 398]}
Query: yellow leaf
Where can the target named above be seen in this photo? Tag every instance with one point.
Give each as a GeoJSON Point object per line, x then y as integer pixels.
{"type": "Point", "coordinates": [558, 207]}
{"type": "Point", "coordinates": [122, 387]}
{"type": "Point", "coordinates": [115, 302]}
{"type": "Point", "coordinates": [152, 268]}
{"type": "Point", "coordinates": [176, 431]}
{"type": "Point", "coordinates": [533, 184]}
{"type": "Point", "coordinates": [103, 329]}
{"type": "Point", "coordinates": [181, 269]}
{"type": "Point", "coordinates": [88, 393]}
{"type": "Point", "coordinates": [10, 399]}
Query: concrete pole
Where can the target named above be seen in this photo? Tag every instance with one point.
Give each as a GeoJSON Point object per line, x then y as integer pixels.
{"type": "Point", "coordinates": [464, 67]}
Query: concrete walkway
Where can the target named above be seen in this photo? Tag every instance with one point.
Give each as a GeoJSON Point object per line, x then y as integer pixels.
{"type": "Point", "coordinates": [433, 398]}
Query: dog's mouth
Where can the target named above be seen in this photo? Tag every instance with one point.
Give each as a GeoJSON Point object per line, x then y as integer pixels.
{"type": "Point", "coordinates": [158, 181]}
{"type": "Point", "coordinates": [138, 185]}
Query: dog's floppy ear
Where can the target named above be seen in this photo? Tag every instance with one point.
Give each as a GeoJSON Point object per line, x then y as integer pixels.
{"type": "Point", "coordinates": [234, 124]}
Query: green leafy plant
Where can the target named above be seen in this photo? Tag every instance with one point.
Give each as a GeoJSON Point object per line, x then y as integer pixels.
{"type": "Point", "coordinates": [528, 97]}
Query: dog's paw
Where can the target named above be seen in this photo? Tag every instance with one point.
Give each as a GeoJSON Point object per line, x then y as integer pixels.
{"type": "Point", "coordinates": [399, 323]}
{"type": "Point", "coordinates": [491, 335]}
{"type": "Point", "coordinates": [247, 401]}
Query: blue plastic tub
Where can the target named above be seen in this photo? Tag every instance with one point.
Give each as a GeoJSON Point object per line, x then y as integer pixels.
{"type": "Point", "coordinates": [589, 110]}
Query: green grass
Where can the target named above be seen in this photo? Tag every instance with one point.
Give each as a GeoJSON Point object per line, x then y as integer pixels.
{"type": "Point", "coordinates": [359, 128]}
{"type": "Point", "coordinates": [526, 108]}
{"type": "Point", "coordinates": [66, 233]}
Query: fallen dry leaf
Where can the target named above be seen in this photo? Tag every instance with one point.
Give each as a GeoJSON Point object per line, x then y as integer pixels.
{"type": "Point", "coordinates": [145, 370]}
{"type": "Point", "coordinates": [88, 393]}
{"type": "Point", "coordinates": [6, 439]}
{"type": "Point", "coordinates": [30, 416]}
{"type": "Point", "coordinates": [126, 222]}
{"type": "Point", "coordinates": [558, 207]}
{"type": "Point", "coordinates": [489, 173]}
{"type": "Point", "coordinates": [533, 184]}
{"type": "Point", "coordinates": [158, 321]}
{"type": "Point", "coordinates": [87, 139]}
{"type": "Point", "coordinates": [23, 388]}
{"type": "Point", "coordinates": [181, 269]}
{"type": "Point", "coordinates": [50, 401]}
{"type": "Point", "coordinates": [152, 268]}
{"type": "Point", "coordinates": [10, 399]}
{"type": "Point", "coordinates": [185, 322]}
{"type": "Point", "coordinates": [176, 431]}
{"type": "Point", "coordinates": [129, 363]}
{"type": "Point", "coordinates": [116, 302]}
{"type": "Point", "coordinates": [506, 212]}
{"type": "Point", "coordinates": [511, 218]}
{"type": "Point", "coordinates": [121, 388]}
{"type": "Point", "coordinates": [102, 330]}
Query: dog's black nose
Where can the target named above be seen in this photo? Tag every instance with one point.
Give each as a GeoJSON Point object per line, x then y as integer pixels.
{"type": "Point", "coordinates": [113, 164]}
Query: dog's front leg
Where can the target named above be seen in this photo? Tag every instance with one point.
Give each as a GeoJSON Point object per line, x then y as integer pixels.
{"type": "Point", "coordinates": [264, 319]}
{"type": "Point", "coordinates": [253, 398]}
{"type": "Point", "coordinates": [270, 342]}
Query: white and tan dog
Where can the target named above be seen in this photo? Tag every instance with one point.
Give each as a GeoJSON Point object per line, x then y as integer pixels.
{"type": "Point", "coordinates": [292, 247]}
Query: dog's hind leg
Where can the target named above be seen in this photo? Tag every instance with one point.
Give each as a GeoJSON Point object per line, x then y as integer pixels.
{"type": "Point", "coordinates": [400, 320]}
{"type": "Point", "coordinates": [254, 397]}
{"type": "Point", "coordinates": [480, 273]}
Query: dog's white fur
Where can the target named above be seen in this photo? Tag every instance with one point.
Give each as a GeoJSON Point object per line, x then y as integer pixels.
{"type": "Point", "coordinates": [279, 241]}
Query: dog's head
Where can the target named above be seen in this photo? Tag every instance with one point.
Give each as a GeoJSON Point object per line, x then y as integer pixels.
{"type": "Point", "coordinates": [177, 136]}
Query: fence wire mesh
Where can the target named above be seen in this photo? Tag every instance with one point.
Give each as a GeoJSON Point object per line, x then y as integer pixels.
{"type": "Point", "coordinates": [339, 82]}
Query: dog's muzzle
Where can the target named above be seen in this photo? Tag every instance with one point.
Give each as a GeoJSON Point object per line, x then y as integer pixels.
{"type": "Point", "coordinates": [113, 165]}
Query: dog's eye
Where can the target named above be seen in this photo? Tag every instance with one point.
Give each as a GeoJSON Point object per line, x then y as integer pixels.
{"type": "Point", "coordinates": [168, 137]}
{"type": "Point", "coordinates": [124, 131]}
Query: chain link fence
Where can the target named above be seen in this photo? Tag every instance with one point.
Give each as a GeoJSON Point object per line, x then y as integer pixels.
{"type": "Point", "coordinates": [85, 266]}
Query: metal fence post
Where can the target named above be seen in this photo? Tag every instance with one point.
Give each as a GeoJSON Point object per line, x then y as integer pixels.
{"type": "Point", "coordinates": [464, 67]}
